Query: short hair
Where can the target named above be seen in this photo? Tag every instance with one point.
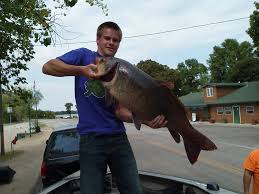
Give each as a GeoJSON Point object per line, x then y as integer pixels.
{"type": "Point", "coordinates": [111, 25]}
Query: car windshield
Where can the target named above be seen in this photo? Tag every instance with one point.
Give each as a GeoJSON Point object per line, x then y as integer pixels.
{"type": "Point", "coordinates": [64, 143]}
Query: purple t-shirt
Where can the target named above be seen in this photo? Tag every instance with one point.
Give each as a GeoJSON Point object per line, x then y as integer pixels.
{"type": "Point", "coordinates": [95, 116]}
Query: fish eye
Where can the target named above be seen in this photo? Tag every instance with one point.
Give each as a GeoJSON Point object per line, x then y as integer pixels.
{"type": "Point", "coordinates": [102, 60]}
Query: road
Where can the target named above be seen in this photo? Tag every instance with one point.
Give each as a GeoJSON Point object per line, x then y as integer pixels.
{"type": "Point", "coordinates": [156, 151]}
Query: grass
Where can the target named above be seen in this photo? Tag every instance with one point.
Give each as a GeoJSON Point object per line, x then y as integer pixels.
{"type": "Point", "coordinates": [10, 155]}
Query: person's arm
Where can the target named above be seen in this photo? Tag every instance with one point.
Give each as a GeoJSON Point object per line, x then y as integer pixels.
{"type": "Point", "coordinates": [125, 115]}
{"type": "Point", "coordinates": [247, 177]}
{"type": "Point", "coordinates": [58, 68]}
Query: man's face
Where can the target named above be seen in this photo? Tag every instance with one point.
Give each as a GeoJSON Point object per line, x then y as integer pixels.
{"type": "Point", "coordinates": [109, 42]}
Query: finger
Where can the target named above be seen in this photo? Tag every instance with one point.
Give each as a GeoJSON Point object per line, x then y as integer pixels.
{"type": "Point", "coordinates": [153, 122]}
{"type": "Point", "coordinates": [93, 71]}
{"type": "Point", "coordinates": [157, 121]}
{"type": "Point", "coordinates": [93, 67]}
{"type": "Point", "coordinates": [161, 122]}
{"type": "Point", "coordinates": [165, 123]}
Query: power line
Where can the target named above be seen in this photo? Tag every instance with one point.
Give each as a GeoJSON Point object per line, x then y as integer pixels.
{"type": "Point", "coordinates": [185, 28]}
{"type": "Point", "coordinates": [161, 32]}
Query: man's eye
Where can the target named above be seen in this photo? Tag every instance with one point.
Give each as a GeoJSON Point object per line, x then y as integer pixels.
{"type": "Point", "coordinates": [115, 40]}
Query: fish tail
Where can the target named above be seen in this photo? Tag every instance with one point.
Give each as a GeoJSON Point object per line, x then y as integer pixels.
{"type": "Point", "coordinates": [194, 142]}
{"type": "Point", "coordinates": [193, 148]}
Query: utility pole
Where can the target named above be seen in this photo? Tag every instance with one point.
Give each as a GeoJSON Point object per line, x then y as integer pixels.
{"type": "Point", "coordinates": [29, 105]}
{"type": "Point", "coordinates": [36, 105]}
{"type": "Point", "coordinates": [1, 115]}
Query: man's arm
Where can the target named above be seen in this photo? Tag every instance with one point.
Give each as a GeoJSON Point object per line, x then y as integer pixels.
{"type": "Point", "coordinates": [125, 115]}
{"type": "Point", "coordinates": [247, 180]}
{"type": "Point", "coordinates": [58, 68]}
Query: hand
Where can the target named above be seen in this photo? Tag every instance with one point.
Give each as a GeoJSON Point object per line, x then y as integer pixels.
{"type": "Point", "coordinates": [90, 71]}
{"type": "Point", "coordinates": [158, 122]}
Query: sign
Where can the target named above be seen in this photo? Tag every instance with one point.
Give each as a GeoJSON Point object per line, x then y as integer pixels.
{"type": "Point", "coordinates": [9, 109]}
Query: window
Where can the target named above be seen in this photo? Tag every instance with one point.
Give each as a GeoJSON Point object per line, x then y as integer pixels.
{"type": "Point", "coordinates": [64, 143]}
{"type": "Point", "coordinates": [209, 92]}
{"type": "Point", "coordinates": [220, 110]}
{"type": "Point", "coordinates": [250, 109]}
{"type": "Point", "coordinates": [227, 110]}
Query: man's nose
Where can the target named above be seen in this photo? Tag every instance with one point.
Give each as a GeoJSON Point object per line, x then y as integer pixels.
{"type": "Point", "coordinates": [111, 41]}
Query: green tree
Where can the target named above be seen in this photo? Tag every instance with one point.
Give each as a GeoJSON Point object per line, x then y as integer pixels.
{"type": "Point", "coordinates": [36, 97]}
{"type": "Point", "coordinates": [68, 106]}
{"type": "Point", "coordinates": [246, 70]}
{"type": "Point", "coordinates": [223, 59]}
{"type": "Point", "coordinates": [19, 103]}
{"type": "Point", "coordinates": [161, 73]}
{"type": "Point", "coordinates": [193, 76]}
{"type": "Point", "coordinates": [45, 114]}
{"type": "Point", "coordinates": [253, 30]}
{"type": "Point", "coordinates": [152, 68]}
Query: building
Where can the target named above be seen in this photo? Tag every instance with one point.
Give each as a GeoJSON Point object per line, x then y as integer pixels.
{"type": "Point", "coordinates": [224, 102]}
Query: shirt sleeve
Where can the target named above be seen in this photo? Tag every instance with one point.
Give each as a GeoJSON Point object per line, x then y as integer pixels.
{"type": "Point", "coordinates": [74, 57]}
{"type": "Point", "coordinates": [250, 162]}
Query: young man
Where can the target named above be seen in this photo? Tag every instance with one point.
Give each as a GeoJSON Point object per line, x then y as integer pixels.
{"type": "Point", "coordinates": [251, 169]}
{"type": "Point", "coordinates": [102, 134]}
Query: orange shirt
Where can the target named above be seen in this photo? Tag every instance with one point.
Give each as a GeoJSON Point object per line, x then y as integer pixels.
{"type": "Point", "coordinates": [252, 163]}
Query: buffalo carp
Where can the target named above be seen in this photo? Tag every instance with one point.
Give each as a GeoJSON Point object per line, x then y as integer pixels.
{"type": "Point", "coordinates": [146, 98]}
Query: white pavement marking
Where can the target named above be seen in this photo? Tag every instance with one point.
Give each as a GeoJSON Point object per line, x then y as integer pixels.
{"type": "Point", "coordinates": [235, 145]}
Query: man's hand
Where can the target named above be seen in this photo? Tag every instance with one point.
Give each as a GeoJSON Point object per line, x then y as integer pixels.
{"type": "Point", "coordinates": [247, 177]}
{"type": "Point", "coordinates": [125, 115]}
{"type": "Point", "coordinates": [90, 71]}
{"type": "Point", "coordinates": [158, 122]}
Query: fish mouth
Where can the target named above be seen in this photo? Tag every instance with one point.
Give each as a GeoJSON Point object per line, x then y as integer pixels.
{"type": "Point", "coordinates": [110, 74]}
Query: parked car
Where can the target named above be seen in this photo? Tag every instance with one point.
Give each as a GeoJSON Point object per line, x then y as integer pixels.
{"type": "Point", "coordinates": [61, 155]}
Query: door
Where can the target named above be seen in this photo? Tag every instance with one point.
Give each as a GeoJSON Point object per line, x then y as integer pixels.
{"type": "Point", "coordinates": [236, 114]}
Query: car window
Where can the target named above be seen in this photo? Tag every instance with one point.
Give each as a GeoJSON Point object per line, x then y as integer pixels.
{"type": "Point", "coordinates": [63, 144]}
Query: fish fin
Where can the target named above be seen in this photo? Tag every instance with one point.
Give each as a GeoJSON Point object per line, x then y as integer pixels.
{"type": "Point", "coordinates": [136, 121]}
{"type": "Point", "coordinates": [192, 150]}
{"type": "Point", "coordinates": [200, 139]}
{"type": "Point", "coordinates": [175, 135]}
{"type": "Point", "coordinates": [207, 144]}
{"type": "Point", "coordinates": [109, 100]}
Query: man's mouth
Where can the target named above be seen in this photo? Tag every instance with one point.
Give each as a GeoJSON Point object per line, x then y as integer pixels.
{"type": "Point", "coordinates": [110, 48]}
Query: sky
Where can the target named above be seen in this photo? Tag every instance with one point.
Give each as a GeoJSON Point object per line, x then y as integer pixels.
{"type": "Point", "coordinates": [137, 17]}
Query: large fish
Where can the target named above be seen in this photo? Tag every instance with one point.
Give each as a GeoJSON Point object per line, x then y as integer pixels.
{"type": "Point", "coordinates": [146, 98]}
